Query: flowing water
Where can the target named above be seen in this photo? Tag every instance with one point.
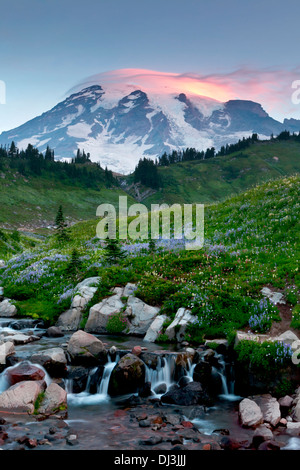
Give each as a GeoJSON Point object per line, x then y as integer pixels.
{"type": "Point", "coordinates": [89, 413]}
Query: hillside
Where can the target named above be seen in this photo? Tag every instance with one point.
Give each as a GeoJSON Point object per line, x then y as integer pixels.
{"type": "Point", "coordinates": [217, 178]}
{"type": "Point", "coordinates": [30, 199]}
{"type": "Point", "coordinates": [251, 241]}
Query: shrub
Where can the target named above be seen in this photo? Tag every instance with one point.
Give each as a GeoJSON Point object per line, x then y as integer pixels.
{"type": "Point", "coordinates": [267, 355]}
{"type": "Point", "coordinates": [116, 323]}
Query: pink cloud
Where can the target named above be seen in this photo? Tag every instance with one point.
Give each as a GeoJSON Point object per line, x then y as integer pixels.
{"type": "Point", "coordinates": [270, 87]}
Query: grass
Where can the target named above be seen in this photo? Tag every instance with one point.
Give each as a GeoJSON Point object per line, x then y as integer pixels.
{"type": "Point", "coordinates": [216, 179]}
{"type": "Point", "coordinates": [251, 241]}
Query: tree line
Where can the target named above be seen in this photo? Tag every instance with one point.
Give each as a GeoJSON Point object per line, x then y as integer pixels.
{"type": "Point", "coordinates": [80, 170]}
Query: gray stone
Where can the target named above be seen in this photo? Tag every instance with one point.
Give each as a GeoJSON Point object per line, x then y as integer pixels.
{"type": "Point", "coordinates": [83, 345]}
{"type": "Point", "coordinates": [140, 315]}
{"type": "Point", "coordinates": [21, 397]}
{"type": "Point", "coordinates": [182, 319]}
{"type": "Point", "coordinates": [100, 313]}
{"type": "Point", "coordinates": [54, 401]}
{"type": "Point", "coordinates": [250, 413]}
{"type": "Point", "coordinates": [154, 329]}
{"type": "Point", "coordinates": [274, 297]}
{"type": "Point", "coordinates": [7, 309]}
{"type": "Point", "coordinates": [6, 349]}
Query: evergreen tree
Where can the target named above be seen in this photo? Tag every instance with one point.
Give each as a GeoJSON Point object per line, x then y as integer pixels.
{"type": "Point", "coordinates": [151, 245]}
{"type": "Point", "coordinates": [61, 227]}
{"type": "Point", "coordinates": [74, 267]}
{"type": "Point", "coordinates": [113, 251]}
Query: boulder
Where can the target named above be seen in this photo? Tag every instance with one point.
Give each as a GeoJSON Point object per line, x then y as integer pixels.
{"type": "Point", "coordinates": [129, 289]}
{"type": "Point", "coordinates": [99, 314]}
{"type": "Point", "coordinates": [70, 319]}
{"type": "Point", "coordinates": [292, 429]}
{"type": "Point", "coordinates": [53, 360]}
{"type": "Point", "coordinates": [21, 397]}
{"type": "Point", "coordinates": [285, 404]}
{"type": "Point", "coordinates": [250, 413]}
{"type": "Point", "coordinates": [288, 337]}
{"type": "Point", "coordinates": [241, 336]}
{"type": "Point", "coordinates": [190, 394]}
{"type": "Point", "coordinates": [24, 371]}
{"type": "Point", "coordinates": [6, 349]}
{"type": "Point", "coordinates": [177, 328]}
{"type": "Point", "coordinates": [20, 338]}
{"type": "Point", "coordinates": [7, 309]}
{"type": "Point", "coordinates": [54, 332]}
{"type": "Point", "coordinates": [155, 328]}
{"type": "Point", "coordinates": [262, 433]}
{"type": "Point", "coordinates": [54, 401]}
{"type": "Point", "coordinates": [84, 292]}
{"type": "Point", "coordinates": [274, 297]}
{"type": "Point", "coordinates": [140, 315]}
{"type": "Point", "coordinates": [85, 348]}
{"type": "Point", "coordinates": [270, 408]}
{"type": "Point", "coordinates": [128, 376]}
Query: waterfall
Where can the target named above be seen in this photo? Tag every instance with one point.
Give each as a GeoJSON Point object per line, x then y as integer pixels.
{"type": "Point", "coordinates": [163, 374]}
{"type": "Point", "coordinates": [87, 398]}
{"type": "Point", "coordinates": [190, 370]}
{"type": "Point", "coordinates": [227, 384]}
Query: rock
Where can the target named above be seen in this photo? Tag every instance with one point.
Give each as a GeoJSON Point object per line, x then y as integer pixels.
{"type": "Point", "coordinates": [6, 349]}
{"type": "Point", "coordinates": [296, 411]}
{"type": "Point", "coordinates": [274, 297]}
{"type": "Point", "coordinates": [54, 401]}
{"type": "Point", "coordinates": [190, 394]}
{"type": "Point", "coordinates": [140, 315]}
{"type": "Point", "coordinates": [24, 371]}
{"type": "Point", "coordinates": [270, 445]}
{"type": "Point", "coordinates": [177, 328]}
{"type": "Point", "coordinates": [53, 360]}
{"type": "Point", "coordinates": [54, 332]}
{"type": "Point", "coordinates": [2, 263]}
{"type": "Point", "coordinates": [70, 319]}
{"type": "Point", "coordinates": [85, 348]}
{"type": "Point", "coordinates": [84, 292]}
{"type": "Point", "coordinates": [262, 433]}
{"type": "Point", "coordinates": [288, 337]}
{"type": "Point", "coordinates": [7, 309]}
{"type": "Point", "coordinates": [78, 377]}
{"type": "Point", "coordinates": [21, 397]}
{"type": "Point", "coordinates": [270, 408]}
{"type": "Point", "coordinates": [241, 336]}
{"type": "Point", "coordinates": [129, 289]}
{"type": "Point", "coordinates": [285, 404]}
{"type": "Point", "coordinates": [100, 313]}
{"type": "Point", "coordinates": [137, 350]}
{"type": "Point", "coordinates": [228, 443]}
{"type": "Point", "coordinates": [145, 390]}
{"type": "Point", "coordinates": [127, 376]}
{"type": "Point", "coordinates": [250, 413]}
{"type": "Point", "coordinates": [72, 439]}
{"type": "Point", "coordinates": [292, 429]}
{"type": "Point", "coordinates": [20, 338]}
{"type": "Point", "coordinates": [155, 328]}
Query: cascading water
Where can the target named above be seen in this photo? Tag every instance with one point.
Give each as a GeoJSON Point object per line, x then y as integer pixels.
{"type": "Point", "coordinates": [227, 385]}
{"type": "Point", "coordinates": [86, 397]}
{"type": "Point", "coordinates": [162, 374]}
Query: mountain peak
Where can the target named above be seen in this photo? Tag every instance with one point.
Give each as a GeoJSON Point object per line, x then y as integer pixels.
{"type": "Point", "coordinates": [125, 115]}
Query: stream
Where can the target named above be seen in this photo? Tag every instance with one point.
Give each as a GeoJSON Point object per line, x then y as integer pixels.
{"type": "Point", "coordinates": [103, 422]}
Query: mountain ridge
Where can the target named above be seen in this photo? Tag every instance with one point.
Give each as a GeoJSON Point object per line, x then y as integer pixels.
{"type": "Point", "coordinates": [118, 129]}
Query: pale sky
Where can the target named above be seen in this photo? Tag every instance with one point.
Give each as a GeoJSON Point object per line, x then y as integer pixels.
{"type": "Point", "coordinates": [48, 46]}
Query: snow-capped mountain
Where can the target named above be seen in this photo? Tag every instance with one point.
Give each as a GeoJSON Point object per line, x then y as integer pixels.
{"type": "Point", "coordinates": [120, 123]}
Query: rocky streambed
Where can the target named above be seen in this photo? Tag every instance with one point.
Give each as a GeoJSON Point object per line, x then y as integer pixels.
{"type": "Point", "coordinates": [74, 390]}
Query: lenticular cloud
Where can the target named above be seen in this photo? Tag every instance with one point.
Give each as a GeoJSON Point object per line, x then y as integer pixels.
{"type": "Point", "coordinates": [272, 88]}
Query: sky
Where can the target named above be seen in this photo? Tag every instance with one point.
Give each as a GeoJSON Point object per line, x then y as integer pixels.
{"type": "Point", "coordinates": [230, 48]}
